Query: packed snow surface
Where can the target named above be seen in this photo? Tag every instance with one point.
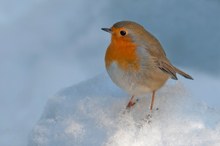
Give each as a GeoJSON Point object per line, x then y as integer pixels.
{"type": "Point", "coordinates": [93, 113]}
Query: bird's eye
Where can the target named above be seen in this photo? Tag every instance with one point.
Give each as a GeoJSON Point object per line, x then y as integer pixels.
{"type": "Point", "coordinates": [123, 33]}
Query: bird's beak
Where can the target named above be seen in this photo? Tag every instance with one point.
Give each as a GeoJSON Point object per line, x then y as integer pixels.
{"type": "Point", "coordinates": [107, 30]}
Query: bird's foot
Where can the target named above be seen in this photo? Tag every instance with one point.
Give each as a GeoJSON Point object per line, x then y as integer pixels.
{"type": "Point", "coordinates": [145, 121]}
{"type": "Point", "coordinates": [148, 118]}
{"type": "Point", "coordinates": [131, 104]}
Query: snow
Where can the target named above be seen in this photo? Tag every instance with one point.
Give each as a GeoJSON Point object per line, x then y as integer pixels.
{"type": "Point", "coordinates": [93, 113]}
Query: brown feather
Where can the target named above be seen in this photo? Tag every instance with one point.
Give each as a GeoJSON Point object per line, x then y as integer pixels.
{"type": "Point", "coordinates": [183, 73]}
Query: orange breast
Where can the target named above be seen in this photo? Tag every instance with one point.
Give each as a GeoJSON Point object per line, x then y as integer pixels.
{"type": "Point", "coordinates": [123, 51]}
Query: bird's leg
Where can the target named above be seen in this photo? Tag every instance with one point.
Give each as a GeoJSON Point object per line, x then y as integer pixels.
{"type": "Point", "coordinates": [148, 117]}
{"type": "Point", "coordinates": [130, 103]}
{"type": "Point", "coordinates": [152, 101]}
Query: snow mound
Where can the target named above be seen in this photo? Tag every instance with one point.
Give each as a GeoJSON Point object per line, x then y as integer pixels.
{"type": "Point", "coordinates": [93, 113]}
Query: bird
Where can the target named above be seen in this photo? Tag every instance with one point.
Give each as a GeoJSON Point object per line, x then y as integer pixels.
{"type": "Point", "coordinates": [136, 61]}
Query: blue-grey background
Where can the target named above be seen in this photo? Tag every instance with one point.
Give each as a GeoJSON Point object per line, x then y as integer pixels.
{"type": "Point", "coordinates": [47, 45]}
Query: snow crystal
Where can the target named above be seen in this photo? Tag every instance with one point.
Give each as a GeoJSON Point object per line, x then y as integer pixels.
{"type": "Point", "coordinates": [93, 113]}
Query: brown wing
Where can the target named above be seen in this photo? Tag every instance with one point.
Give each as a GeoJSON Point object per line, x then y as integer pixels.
{"type": "Point", "coordinates": [167, 68]}
{"type": "Point", "coordinates": [159, 56]}
{"type": "Point", "coordinates": [156, 51]}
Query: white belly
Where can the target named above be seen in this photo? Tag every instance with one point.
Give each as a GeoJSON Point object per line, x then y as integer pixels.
{"type": "Point", "coordinates": [128, 81]}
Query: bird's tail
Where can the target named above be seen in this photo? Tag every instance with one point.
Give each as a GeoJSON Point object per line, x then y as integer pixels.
{"type": "Point", "coordinates": [182, 73]}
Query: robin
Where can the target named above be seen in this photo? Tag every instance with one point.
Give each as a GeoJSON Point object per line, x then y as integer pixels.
{"type": "Point", "coordinates": [136, 61]}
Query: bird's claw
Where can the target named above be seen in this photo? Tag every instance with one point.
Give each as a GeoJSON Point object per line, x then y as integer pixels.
{"type": "Point", "coordinates": [131, 104]}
